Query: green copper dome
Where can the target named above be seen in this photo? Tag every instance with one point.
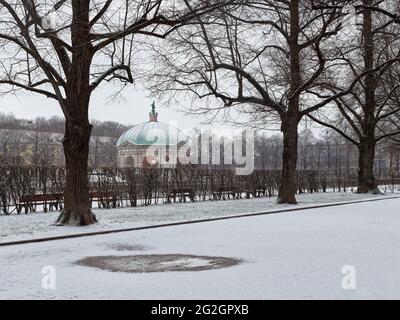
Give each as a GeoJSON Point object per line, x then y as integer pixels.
{"type": "Point", "coordinates": [152, 132]}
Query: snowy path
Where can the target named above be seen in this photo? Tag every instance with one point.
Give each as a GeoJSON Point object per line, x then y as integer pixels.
{"type": "Point", "coordinates": [295, 255]}
{"type": "Point", "coordinates": [38, 225]}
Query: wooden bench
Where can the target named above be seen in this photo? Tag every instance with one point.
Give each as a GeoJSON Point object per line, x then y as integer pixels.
{"type": "Point", "coordinates": [104, 199]}
{"type": "Point", "coordinates": [257, 192]}
{"type": "Point", "coordinates": [182, 194]}
{"type": "Point", "coordinates": [54, 201]}
{"type": "Point", "coordinates": [226, 193]}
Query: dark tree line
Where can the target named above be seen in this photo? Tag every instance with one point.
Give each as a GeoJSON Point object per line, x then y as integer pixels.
{"type": "Point", "coordinates": [112, 187]}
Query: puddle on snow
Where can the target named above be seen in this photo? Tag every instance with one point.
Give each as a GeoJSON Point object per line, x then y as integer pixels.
{"type": "Point", "coordinates": [158, 263]}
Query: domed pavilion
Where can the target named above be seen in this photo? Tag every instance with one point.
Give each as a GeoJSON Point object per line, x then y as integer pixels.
{"type": "Point", "coordinates": [150, 144]}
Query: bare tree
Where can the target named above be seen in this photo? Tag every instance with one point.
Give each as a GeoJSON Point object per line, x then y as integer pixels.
{"type": "Point", "coordinates": [261, 58]}
{"type": "Point", "coordinates": [65, 49]}
{"type": "Point", "coordinates": [389, 8]}
{"type": "Point", "coordinates": [373, 102]}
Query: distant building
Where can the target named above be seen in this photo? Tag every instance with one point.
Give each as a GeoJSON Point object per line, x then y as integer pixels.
{"type": "Point", "coordinates": [20, 147]}
{"type": "Point", "coordinates": [151, 143]}
{"type": "Point", "coordinates": [34, 148]}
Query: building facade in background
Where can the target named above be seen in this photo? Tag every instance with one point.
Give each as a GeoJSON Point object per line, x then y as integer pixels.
{"type": "Point", "coordinates": [45, 149]}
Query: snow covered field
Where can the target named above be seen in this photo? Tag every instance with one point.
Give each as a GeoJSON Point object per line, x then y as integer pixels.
{"type": "Point", "coordinates": [37, 225]}
{"type": "Point", "coordinates": [294, 255]}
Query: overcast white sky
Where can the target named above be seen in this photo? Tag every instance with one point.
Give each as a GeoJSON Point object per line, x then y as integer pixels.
{"type": "Point", "coordinates": [133, 108]}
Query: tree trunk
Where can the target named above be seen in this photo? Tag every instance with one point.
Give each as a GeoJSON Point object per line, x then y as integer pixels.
{"type": "Point", "coordinates": [290, 119]}
{"type": "Point", "coordinates": [366, 177]}
{"type": "Point", "coordinates": [76, 196]}
{"type": "Point", "coordinates": [77, 127]}
{"type": "Point", "coordinates": [287, 188]}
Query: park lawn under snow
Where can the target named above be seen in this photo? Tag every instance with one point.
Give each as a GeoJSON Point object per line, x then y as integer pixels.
{"type": "Point", "coordinates": [38, 225]}
{"type": "Point", "coordinates": [297, 255]}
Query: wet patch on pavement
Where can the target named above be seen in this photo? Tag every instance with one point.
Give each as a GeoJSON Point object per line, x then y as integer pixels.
{"type": "Point", "coordinates": [158, 263]}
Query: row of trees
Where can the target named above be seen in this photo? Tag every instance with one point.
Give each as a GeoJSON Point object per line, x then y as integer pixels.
{"type": "Point", "coordinates": [278, 61]}
{"type": "Point", "coordinates": [114, 187]}
{"type": "Point", "coordinates": [331, 151]}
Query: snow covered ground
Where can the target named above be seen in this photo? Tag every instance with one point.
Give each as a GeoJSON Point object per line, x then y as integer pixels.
{"type": "Point", "coordinates": [295, 255]}
{"type": "Point", "coordinates": [38, 225]}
